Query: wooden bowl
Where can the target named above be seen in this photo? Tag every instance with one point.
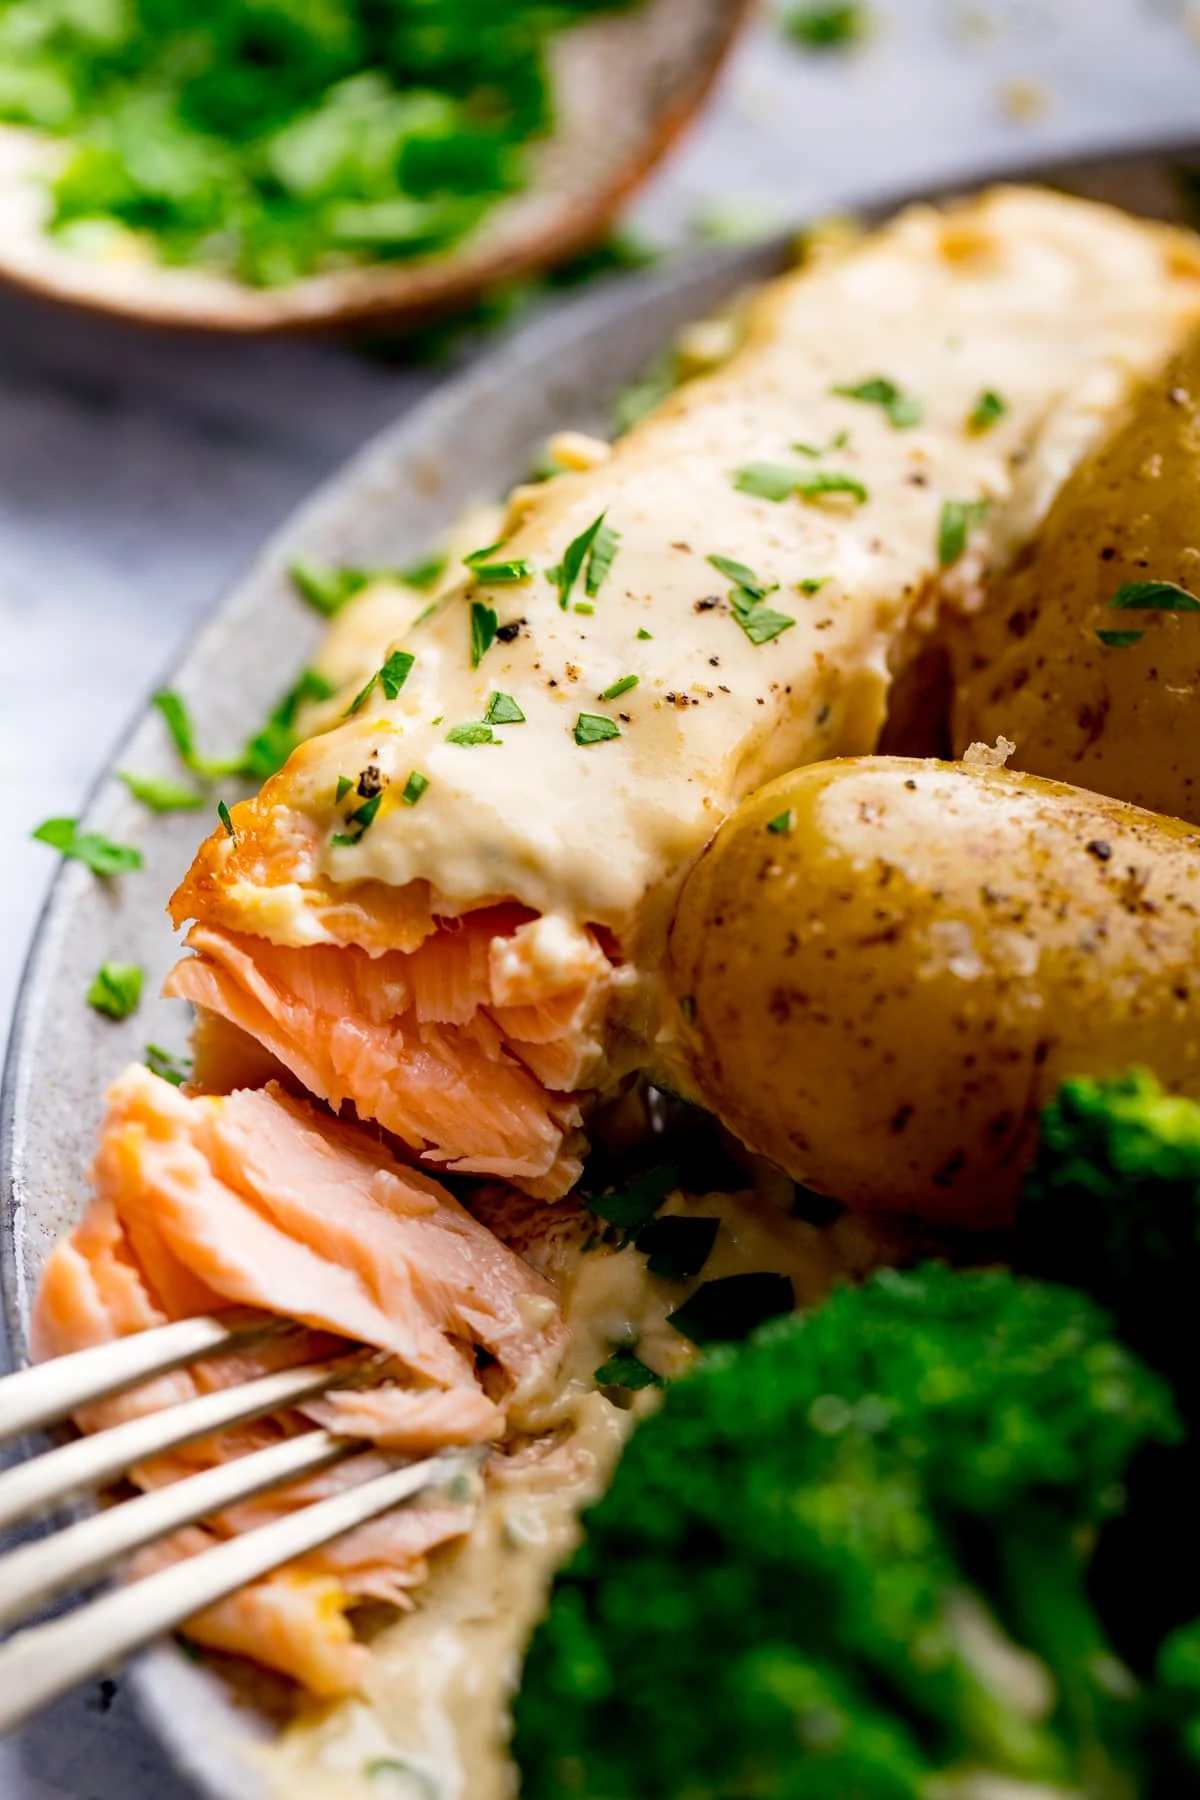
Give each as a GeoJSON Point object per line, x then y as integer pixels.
{"type": "Point", "coordinates": [625, 85]}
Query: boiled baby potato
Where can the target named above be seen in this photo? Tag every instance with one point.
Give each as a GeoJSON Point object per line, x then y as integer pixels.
{"type": "Point", "coordinates": [884, 967]}
{"type": "Point", "coordinates": [1041, 663]}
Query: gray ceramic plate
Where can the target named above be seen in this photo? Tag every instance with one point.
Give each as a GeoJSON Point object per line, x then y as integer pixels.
{"type": "Point", "coordinates": [471, 442]}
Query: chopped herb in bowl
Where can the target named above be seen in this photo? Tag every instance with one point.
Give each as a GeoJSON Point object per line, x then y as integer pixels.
{"type": "Point", "coordinates": [271, 140]}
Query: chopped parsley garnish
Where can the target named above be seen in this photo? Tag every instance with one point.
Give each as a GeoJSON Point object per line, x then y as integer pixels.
{"type": "Point", "coordinates": [344, 784]}
{"type": "Point", "coordinates": [183, 735]}
{"type": "Point", "coordinates": [593, 728]}
{"type": "Point", "coordinates": [644, 635]}
{"type": "Point", "coordinates": [391, 677]}
{"type": "Point", "coordinates": [958, 518]}
{"type": "Point", "coordinates": [327, 589]}
{"type": "Point", "coordinates": [585, 607]}
{"type": "Point", "coordinates": [782, 823]}
{"type": "Point", "coordinates": [269, 749]}
{"type": "Point", "coordinates": [752, 584]}
{"type": "Point", "coordinates": [414, 787]}
{"type": "Point", "coordinates": [619, 687]}
{"type": "Point", "coordinates": [423, 573]}
{"type": "Point", "coordinates": [101, 855]}
{"type": "Point", "coordinates": [515, 568]}
{"type": "Point", "coordinates": [812, 584]}
{"type": "Point", "coordinates": [625, 1370]}
{"type": "Point", "coordinates": [360, 821]}
{"type": "Point", "coordinates": [813, 450]}
{"type": "Point", "coordinates": [677, 1247]}
{"type": "Point", "coordinates": [160, 794]}
{"type": "Point", "coordinates": [475, 732]}
{"type": "Point", "coordinates": [483, 631]}
{"type": "Point", "coordinates": [566, 573]}
{"type": "Point", "coordinates": [766, 481]}
{"type": "Point", "coordinates": [901, 410]}
{"type": "Point", "coordinates": [728, 1310]}
{"type": "Point", "coordinates": [227, 822]}
{"type": "Point", "coordinates": [987, 411]}
{"type": "Point", "coordinates": [634, 1204]}
{"type": "Point", "coordinates": [167, 1067]}
{"type": "Point", "coordinates": [604, 548]}
{"type": "Point", "coordinates": [1120, 640]}
{"type": "Point", "coordinates": [825, 26]}
{"type": "Point", "coordinates": [830, 481]}
{"type": "Point", "coordinates": [116, 989]}
{"type": "Point", "coordinates": [262, 754]}
{"type": "Point", "coordinates": [502, 709]}
{"type": "Point", "coordinates": [760, 623]}
{"type": "Point", "coordinates": [1154, 596]}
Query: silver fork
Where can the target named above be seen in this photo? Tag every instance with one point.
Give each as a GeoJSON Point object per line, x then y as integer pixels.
{"type": "Point", "coordinates": [44, 1661]}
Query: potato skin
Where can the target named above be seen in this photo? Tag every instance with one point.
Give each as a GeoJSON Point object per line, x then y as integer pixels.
{"type": "Point", "coordinates": [1119, 720]}
{"type": "Point", "coordinates": [882, 997]}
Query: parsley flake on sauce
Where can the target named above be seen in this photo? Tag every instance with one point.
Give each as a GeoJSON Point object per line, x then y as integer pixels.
{"type": "Point", "coordinates": [987, 411]}
{"type": "Point", "coordinates": [414, 787]}
{"type": "Point", "coordinates": [160, 794]}
{"type": "Point", "coordinates": [360, 822]}
{"type": "Point", "coordinates": [502, 709]}
{"type": "Point", "coordinates": [604, 548]}
{"type": "Point", "coordinates": [766, 481]}
{"type": "Point", "coordinates": [812, 584]}
{"type": "Point", "coordinates": [634, 1203]}
{"type": "Point", "coordinates": [116, 989]}
{"type": "Point", "coordinates": [901, 410]}
{"type": "Point", "coordinates": [474, 732]}
{"type": "Point", "coordinates": [676, 1246]}
{"type": "Point", "coordinates": [760, 623]}
{"type": "Point", "coordinates": [831, 481]}
{"type": "Point", "coordinates": [752, 584]}
{"type": "Point", "coordinates": [508, 569]}
{"type": "Point", "coordinates": [593, 728]}
{"type": "Point", "coordinates": [626, 1370]}
{"type": "Point", "coordinates": [391, 676]}
{"type": "Point", "coordinates": [100, 854]}
{"type": "Point", "coordinates": [566, 573]}
{"type": "Point", "coordinates": [782, 823]}
{"type": "Point", "coordinates": [958, 518]}
{"type": "Point", "coordinates": [227, 822]}
{"type": "Point", "coordinates": [1120, 640]}
{"type": "Point", "coordinates": [483, 631]}
{"type": "Point", "coordinates": [1154, 596]}
{"type": "Point", "coordinates": [728, 1310]}
{"type": "Point", "coordinates": [344, 784]}
{"type": "Point", "coordinates": [619, 687]}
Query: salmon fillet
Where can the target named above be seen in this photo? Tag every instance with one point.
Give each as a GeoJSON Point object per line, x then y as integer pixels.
{"type": "Point", "coordinates": [255, 1199]}
{"type": "Point", "coordinates": [471, 961]}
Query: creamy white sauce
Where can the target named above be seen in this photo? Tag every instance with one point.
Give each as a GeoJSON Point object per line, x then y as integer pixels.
{"type": "Point", "coordinates": [432, 1721]}
{"type": "Point", "coordinates": [1052, 303]}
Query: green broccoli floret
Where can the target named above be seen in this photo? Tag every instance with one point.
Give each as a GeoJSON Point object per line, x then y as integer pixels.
{"type": "Point", "coordinates": [847, 1560]}
{"type": "Point", "coordinates": [1112, 1205]}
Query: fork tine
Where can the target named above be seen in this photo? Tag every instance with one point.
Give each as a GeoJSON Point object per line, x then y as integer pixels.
{"type": "Point", "coordinates": [91, 1462]}
{"type": "Point", "coordinates": [38, 1665]}
{"type": "Point", "coordinates": [35, 1573]}
{"type": "Point", "coordinates": [35, 1397]}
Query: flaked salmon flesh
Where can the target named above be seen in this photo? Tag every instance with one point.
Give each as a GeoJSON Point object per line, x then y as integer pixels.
{"type": "Point", "coordinates": [255, 1199]}
{"type": "Point", "coordinates": [473, 1048]}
